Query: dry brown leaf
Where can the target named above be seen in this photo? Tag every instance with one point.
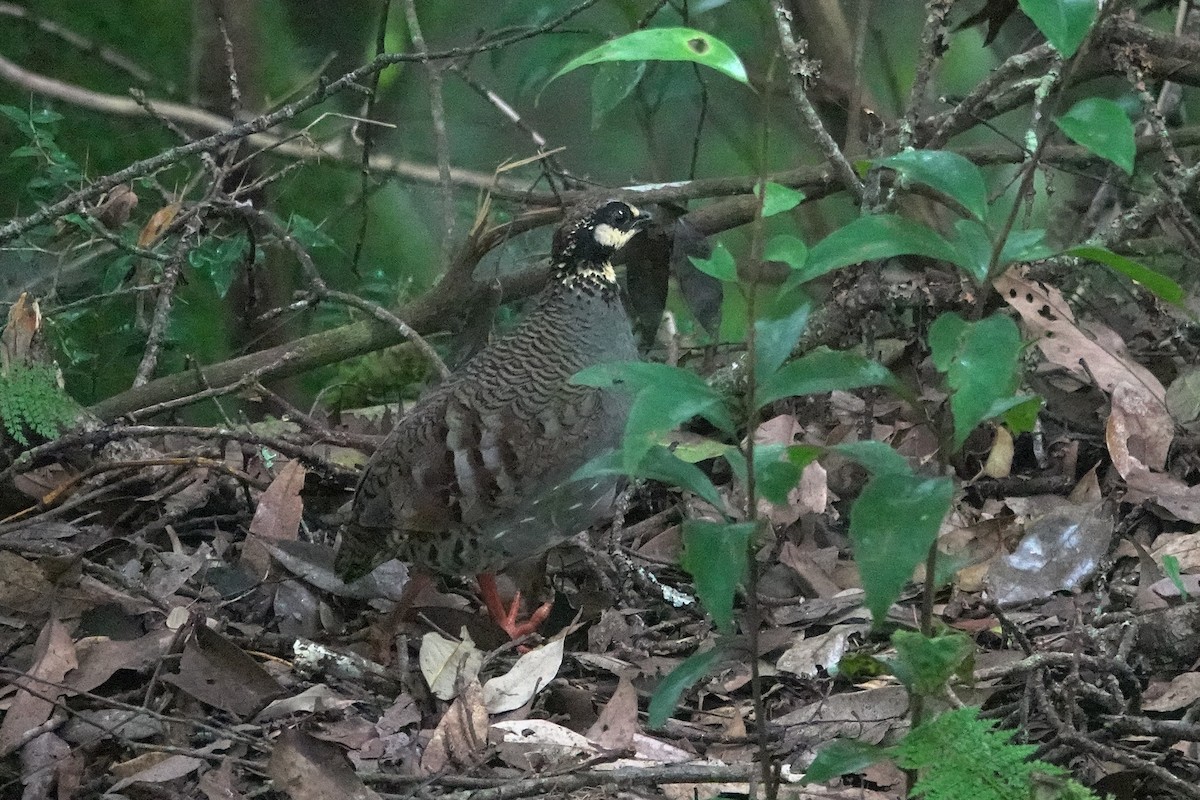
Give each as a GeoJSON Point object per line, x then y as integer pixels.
{"type": "Point", "coordinates": [157, 223]}
{"type": "Point", "coordinates": [114, 210]}
{"type": "Point", "coordinates": [1064, 342]}
{"type": "Point", "coordinates": [1139, 430]}
{"type": "Point", "coordinates": [166, 769]}
{"type": "Point", "coordinates": [1180, 693]}
{"type": "Point", "coordinates": [309, 769]}
{"type": "Point", "coordinates": [216, 671]}
{"type": "Point", "coordinates": [618, 722]}
{"type": "Point", "coordinates": [447, 664]}
{"type": "Point", "coordinates": [1000, 456]}
{"type": "Point", "coordinates": [277, 517]}
{"type": "Point", "coordinates": [460, 738]}
{"type": "Point", "coordinates": [40, 688]}
{"type": "Point", "coordinates": [100, 657]}
{"type": "Point", "coordinates": [24, 322]}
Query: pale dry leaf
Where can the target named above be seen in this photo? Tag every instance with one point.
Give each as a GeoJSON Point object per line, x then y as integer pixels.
{"type": "Point", "coordinates": [40, 688]}
{"type": "Point", "coordinates": [1000, 456]}
{"type": "Point", "coordinates": [538, 743]}
{"type": "Point", "coordinates": [100, 657]}
{"type": "Point", "coordinates": [808, 656]}
{"type": "Point", "coordinates": [24, 322]}
{"type": "Point", "coordinates": [531, 673]}
{"type": "Point", "coordinates": [41, 762]}
{"type": "Point", "coordinates": [1057, 553]}
{"type": "Point", "coordinates": [312, 700]}
{"type": "Point", "coordinates": [446, 664]}
{"type": "Point", "coordinates": [1183, 546]}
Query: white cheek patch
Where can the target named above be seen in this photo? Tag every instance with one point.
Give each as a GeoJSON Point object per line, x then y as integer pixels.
{"type": "Point", "coordinates": [608, 236]}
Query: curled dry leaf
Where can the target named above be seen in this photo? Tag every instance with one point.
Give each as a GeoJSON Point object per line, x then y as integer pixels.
{"type": "Point", "coordinates": [1057, 553]}
{"type": "Point", "coordinates": [309, 769]}
{"type": "Point", "coordinates": [24, 322]}
{"type": "Point", "coordinates": [158, 223]}
{"type": "Point", "coordinates": [617, 725]}
{"type": "Point", "coordinates": [460, 738]}
{"type": "Point", "coordinates": [277, 517]}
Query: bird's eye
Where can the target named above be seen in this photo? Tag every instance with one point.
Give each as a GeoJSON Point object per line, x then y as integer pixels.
{"type": "Point", "coordinates": [621, 215]}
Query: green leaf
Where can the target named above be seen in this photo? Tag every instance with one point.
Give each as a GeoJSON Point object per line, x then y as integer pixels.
{"type": "Point", "coordinates": [613, 83]}
{"type": "Point", "coordinates": [775, 472]}
{"type": "Point", "coordinates": [873, 238]}
{"type": "Point", "coordinates": [658, 464]}
{"type": "Point", "coordinates": [308, 234]}
{"type": "Point", "coordinates": [877, 457]}
{"type": "Point", "coordinates": [790, 250]}
{"type": "Point", "coordinates": [925, 664]}
{"type": "Point", "coordinates": [778, 198]}
{"type": "Point", "coordinates": [893, 523]}
{"type": "Point", "coordinates": [1064, 23]}
{"type": "Point", "coordinates": [216, 259]}
{"type": "Point", "coordinates": [973, 248]}
{"type": "Point", "coordinates": [720, 264]}
{"type": "Point", "coordinates": [1021, 417]}
{"type": "Point", "coordinates": [715, 555]}
{"type": "Point", "coordinates": [946, 172]}
{"type": "Point", "coordinates": [1102, 127]}
{"type": "Point", "coordinates": [666, 694]}
{"type": "Point", "coordinates": [1171, 570]}
{"type": "Point", "coordinates": [1026, 245]}
{"type": "Point", "coordinates": [778, 330]}
{"type": "Point", "coordinates": [842, 757]}
{"type": "Point", "coordinates": [664, 44]}
{"type": "Point", "coordinates": [1156, 282]}
{"type": "Point", "coordinates": [980, 360]}
{"type": "Point", "coordinates": [823, 370]}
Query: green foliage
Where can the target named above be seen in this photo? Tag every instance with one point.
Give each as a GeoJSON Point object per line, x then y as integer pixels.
{"type": "Point", "coordinates": [958, 755]}
{"type": "Point", "coordinates": [56, 169]}
{"type": "Point", "coordinates": [948, 173]}
{"type": "Point", "coordinates": [1103, 127]}
{"type": "Point", "coordinates": [32, 402]}
{"type": "Point", "coordinates": [1064, 23]}
{"type": "Point", "coordinates": [667, 693]}
{"type": "Point", "coordinates": [715, 555]}
{"type": "Point", "coordinates": [893, 523]}
{"type": "Point", "coordinates": [924, 664]}
{"type": "Point", "coordinates": [664, 44]}
{"type": "Point", "coordinates": [1154, 281]}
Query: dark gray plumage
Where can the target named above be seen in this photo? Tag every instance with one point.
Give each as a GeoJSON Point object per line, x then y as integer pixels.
{"type": "Point", "coordinates": [475, 476]}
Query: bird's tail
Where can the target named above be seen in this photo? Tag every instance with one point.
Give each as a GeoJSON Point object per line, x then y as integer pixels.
{"type": "Point", "coordinates": [358, 554]}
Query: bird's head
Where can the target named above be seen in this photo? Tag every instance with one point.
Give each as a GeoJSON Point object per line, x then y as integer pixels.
{"type": "Point", "coordinates": [595, 235]}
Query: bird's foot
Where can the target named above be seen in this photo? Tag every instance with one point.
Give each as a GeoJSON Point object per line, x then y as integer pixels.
{"type": "Point", "coordinates": [507, 617]}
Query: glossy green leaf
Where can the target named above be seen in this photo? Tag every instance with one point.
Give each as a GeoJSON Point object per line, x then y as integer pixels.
{"type": "Point", "coordinates": [877, 457]}
{"type": "Point", "coordinates": [775, 472]}
{"type": "Point", "coordinates": [1064, 23]}
{"type": "Point", "coordinates": [842, 757]}
{"type": "Point", "coordinates": [872, 238]}
{"type": "Point", "coordinates": [973, 249]}
{"type": "Point", "coordinates": [981, 362]}
{"type": "Point", "coordinates": [666, 694]}
{"type": "Point", "coordinates": [791, 250]}
{"type": "Point", "coordinates": [217, 260]}
{"type": "Point", "coordinates": [664, 44]}
{"type": "Point", "coordinates": [779, 328]}
{"type": "Point", "coordinates": [1156, 282]}
{"type": "Point", "coordinates": [924, 664]}
{"type": "Point", "coordinates": [1026, 245]}
{"type": "Point", "coordinates": [946, 172]}
{"type": "Point", "coordinates": [778, 198]}
{"type": "Point", "coordinates": [823, 370]}
{"type": "Point", "coordinates": [893, 523]}
{"type": "Point", "coordinates": [715, 555]}
{"type": "Point", "coordinates": [720, 264]}
{"type": "Point", "coordinates": [1102, 127]}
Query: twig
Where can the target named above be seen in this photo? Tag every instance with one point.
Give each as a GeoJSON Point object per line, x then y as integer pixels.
{"type": "Point", "coordinates": [799, 70]}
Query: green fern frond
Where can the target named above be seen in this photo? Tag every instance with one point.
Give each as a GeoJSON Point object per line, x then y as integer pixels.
{"type": "Point", "coordinates": [959, 756]}
{"type": "Point", "coordinates": [31, 402]}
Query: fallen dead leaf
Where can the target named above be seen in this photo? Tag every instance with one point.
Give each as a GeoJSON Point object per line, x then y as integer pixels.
{"type": "Point", "coordinates": [309, 769]}
{"type": "Point", "coordinates": [460, 738]}
{"type": "Point", "coordinates": [216, 671]}
{"type": "Point", "coordinates": [41, 687]}
{"type": "Point", "coordinates": [531, 673]}
{"type": "Point", "coordinates": [1180, 693]}
{"type": "Point", "coordinates": [447, 664]}
{"type": "Point", "coordinates": [277, 517]}
{"type": "Point", "coordinates": [617, 724]}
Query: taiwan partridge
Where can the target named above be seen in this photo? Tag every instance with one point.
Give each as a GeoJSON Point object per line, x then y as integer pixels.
{"type": "Point", "coordinates": [476, 476]}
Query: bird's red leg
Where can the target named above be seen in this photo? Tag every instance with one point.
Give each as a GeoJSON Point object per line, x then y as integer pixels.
{"type": "Point", "coordinates": [506, 618]}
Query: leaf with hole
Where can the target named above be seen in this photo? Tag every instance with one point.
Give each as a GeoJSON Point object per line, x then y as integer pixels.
{"type": "Point", "coordinates": [664, 44]}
